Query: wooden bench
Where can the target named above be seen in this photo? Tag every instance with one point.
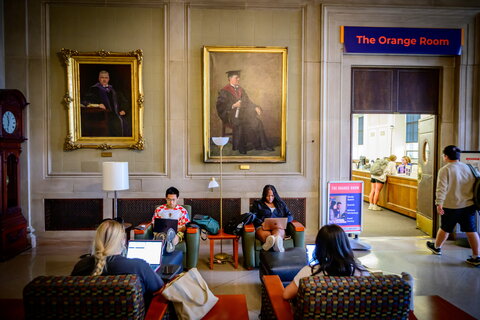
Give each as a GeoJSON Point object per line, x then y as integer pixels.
{"type": "Point", "coordinates": [228, 307]}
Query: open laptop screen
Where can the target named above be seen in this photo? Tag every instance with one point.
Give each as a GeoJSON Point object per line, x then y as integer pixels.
{"type": "Point", "coordinates": [310, 248]}
{"type": "Point", "coordinates": [148, 250]}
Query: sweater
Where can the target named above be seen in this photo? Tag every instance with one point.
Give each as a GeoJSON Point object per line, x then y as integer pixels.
{"type": "Point", "coordinates": [455, 186]}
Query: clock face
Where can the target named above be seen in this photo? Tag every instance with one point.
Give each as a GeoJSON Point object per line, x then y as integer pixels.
{"type": "Point", "coordinates": [9, 122]}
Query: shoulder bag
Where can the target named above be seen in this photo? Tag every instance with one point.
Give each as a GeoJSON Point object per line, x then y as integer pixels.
{"type": "Point", "coordinates": [190, 295]}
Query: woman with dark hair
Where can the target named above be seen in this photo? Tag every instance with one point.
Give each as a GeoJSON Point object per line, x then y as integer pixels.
{"type": "Point", "coordinates": [333, 256]}
{"type": "Point", "coordinates": [270, 206]}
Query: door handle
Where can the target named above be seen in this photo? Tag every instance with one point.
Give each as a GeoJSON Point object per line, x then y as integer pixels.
{"type": "Point", "coordinates": [419, 174]}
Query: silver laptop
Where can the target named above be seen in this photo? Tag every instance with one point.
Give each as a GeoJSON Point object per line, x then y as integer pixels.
{"type": "Point", "coordinates": [310, 248]}
{"type": "Point", "coordinates": [148, 250]}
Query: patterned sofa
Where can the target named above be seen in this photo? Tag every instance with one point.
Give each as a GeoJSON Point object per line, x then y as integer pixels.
{"type": "Point", "coordinates": [86, 297]}
{"type": "Point", "coordinates": [373, 297]}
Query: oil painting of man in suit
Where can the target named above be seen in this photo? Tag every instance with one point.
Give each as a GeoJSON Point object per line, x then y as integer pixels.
{"type": "Point", "coordinates": [105, 110]}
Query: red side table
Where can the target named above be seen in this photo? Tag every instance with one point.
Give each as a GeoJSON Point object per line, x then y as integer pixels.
{"type": "Point", "coordinates": [224, 236]}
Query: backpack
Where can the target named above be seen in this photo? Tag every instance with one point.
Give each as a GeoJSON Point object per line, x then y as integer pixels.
{"type": "Point", "coordinates": [476, 186]}
{"type": "Point", "coordinates": [378, 167]}
{"type": "Point", "coordinates": [206, 222]}
{"type": "Point", "coordinates": [236, 224]}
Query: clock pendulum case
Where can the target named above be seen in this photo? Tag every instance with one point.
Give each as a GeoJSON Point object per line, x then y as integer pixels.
{"type": "Point", "coordinates": [13, 225]}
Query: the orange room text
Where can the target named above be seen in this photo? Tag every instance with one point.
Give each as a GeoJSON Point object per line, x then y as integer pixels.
{"type": "Point", "coordinates": [406, 42]}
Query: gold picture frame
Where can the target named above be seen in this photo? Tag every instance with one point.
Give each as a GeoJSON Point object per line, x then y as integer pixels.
{"type": "Point", "coordinates": [104, 100]}
{"type": "Point", "coordinates": [254, 122]}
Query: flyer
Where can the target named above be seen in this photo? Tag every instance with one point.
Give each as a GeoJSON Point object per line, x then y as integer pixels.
{"type": "Point", "coordinates": [345, 203]}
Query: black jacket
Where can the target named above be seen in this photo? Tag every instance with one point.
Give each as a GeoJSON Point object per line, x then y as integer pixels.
{"type": "Point", "coordinates": [262, 211]}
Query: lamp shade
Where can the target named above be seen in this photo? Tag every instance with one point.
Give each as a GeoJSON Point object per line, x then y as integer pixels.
{"type": "Point", "coordinates": [213, 183]}
{"type": "Point", "coordinates": [115, 176]}
{"type": "Point", "coordinates": [220, 141]}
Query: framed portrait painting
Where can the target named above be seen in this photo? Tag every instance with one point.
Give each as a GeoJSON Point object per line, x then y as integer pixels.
{"type": "Point", "coordinates": [104, 100]}
{"type": "Point", "coordinates": [244, 99]}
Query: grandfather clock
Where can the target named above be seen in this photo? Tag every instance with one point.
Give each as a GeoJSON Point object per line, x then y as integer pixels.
{"type": "Point", "coordinates": [13, 225]}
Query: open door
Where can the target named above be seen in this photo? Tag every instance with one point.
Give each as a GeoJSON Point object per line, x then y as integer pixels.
{"type": "Point", "coordinates": [426, 214]}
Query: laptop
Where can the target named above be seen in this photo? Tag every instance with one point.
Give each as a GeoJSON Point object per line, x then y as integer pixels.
{"type": "Point", "coordinates": [275, 223]}
{"type": "Point", "coordinates": [310, 248]}
{"type": "Point", "coordinates": [162, 225]}
{"type": "Point", "coordinates": [148, 250]}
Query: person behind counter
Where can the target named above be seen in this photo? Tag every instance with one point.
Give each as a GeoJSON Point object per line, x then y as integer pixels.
{"type": "Point", "coordinates": [378, 180]}
{"type": "Point", "coordinates": [270, 206]}
{"type": "Point", "coordinates": [107, 259]}
{"type": "Point", "coordinates": [406, 161]}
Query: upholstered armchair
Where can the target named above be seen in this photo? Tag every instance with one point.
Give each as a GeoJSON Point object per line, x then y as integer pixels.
{"type": "Point", "coordinates": [87, 297]}
{"type": "Point", "coordinates": [319, 297]}
{"type": "Point", "coordinates": [189, 246]}
{"type": "Point", "coordinates": [251, 246]}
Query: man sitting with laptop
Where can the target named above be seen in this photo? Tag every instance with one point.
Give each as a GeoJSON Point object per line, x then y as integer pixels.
{"type": "Point", "coordinates": [169, 220]}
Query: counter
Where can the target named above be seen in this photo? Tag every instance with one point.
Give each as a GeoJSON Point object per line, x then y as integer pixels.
{"type": "Point", "coordinates": [399, 194]}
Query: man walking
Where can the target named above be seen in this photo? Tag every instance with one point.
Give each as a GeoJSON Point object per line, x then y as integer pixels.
{"type": "Point", "coordinates": [454, 200]}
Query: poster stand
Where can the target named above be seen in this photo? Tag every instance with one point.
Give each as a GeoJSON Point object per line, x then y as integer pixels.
{"type": "Point", "coordinates": [345, 206]}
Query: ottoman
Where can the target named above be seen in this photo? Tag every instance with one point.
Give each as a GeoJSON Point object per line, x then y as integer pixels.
{"type": "Point", "coordinates": [284, 264]}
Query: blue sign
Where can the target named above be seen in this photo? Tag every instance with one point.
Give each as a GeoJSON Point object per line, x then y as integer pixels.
{"type": "Point", "coordinates": [402, 40]}
{"type": "Point", "coordinates": [345, 203]}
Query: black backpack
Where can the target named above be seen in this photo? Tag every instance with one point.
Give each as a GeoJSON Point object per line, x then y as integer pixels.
{"type": "Point", "coordinates": [476, 186]}
{"type": "Point", "coordinates": [236, 224]}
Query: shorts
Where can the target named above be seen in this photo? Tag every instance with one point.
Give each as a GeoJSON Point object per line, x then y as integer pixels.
{"type": "Point", "coordinates": [464, 216]}
{"type": "Point", "coordinates": [373, 180]}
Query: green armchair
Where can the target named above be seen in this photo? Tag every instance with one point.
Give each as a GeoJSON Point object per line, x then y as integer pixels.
{"type": "Point", "coordinates": [189, 246]}
{"type": "Point", "coordinates": [251, 246]}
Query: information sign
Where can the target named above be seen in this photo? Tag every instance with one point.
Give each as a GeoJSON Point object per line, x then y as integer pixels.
{"type": "Point", "coordinates": [345, 203]}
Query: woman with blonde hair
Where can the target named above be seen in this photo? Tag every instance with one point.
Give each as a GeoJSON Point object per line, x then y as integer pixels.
{"type": "Point", "coordinates": [378, 180]}
{"type": "Point", "coordinates": [107, 259]}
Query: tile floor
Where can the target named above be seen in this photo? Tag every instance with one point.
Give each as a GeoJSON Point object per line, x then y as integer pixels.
{"type": "Point", "coordinates": [447, 275]}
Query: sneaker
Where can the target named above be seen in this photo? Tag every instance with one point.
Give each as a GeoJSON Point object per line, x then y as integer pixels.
{"type": "Point", "coordinates": [473, 261]}
{"type": "Point", "coordinates": [376, 208]}
{"type": "Point", "coordinates": [269, 242]}
{"type": "Point", "coordinates": [278, 245]}
{"type": "Point", "coordinates": [370, 207]}
{"type": "Point", "coordinates": [170, 247]}
{"type": "Point", "coordinates": [431, 246]}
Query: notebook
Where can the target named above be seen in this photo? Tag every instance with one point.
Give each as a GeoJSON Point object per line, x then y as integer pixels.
{"type": "Point", "coordinates": [148, 250]}
{"type": "Point", "coordinates": [275, 223]}
{"type": "Point", "coordinates": [310, 248]}
{"type": "Point", "coordinates": [162, 225]}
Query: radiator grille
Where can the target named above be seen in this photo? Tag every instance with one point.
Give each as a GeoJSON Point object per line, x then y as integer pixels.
{"type": "Point", "coordinates": [73, 214]}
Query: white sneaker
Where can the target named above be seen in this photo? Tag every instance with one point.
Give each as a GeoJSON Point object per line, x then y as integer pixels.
{"type": "Point", "coordinates": [376, 208]}
{"type": "Point", "coordinates": [278, 246]}
{"type": "Point", "coordinates": [370, 207]}
{"type": "Point", "coordinates": [269, 242]}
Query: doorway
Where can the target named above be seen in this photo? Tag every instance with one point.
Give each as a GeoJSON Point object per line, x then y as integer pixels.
{"type": "Point", "coordinates": [394, 114]}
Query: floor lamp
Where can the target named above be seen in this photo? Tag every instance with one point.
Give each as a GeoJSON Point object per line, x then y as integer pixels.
{"type": "Point", "coordinates": [221, 142]}
{"type": "Point", "coordinates": [115, 178]}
